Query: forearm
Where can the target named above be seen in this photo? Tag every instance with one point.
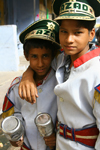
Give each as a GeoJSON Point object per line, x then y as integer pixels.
{"type": "Point", "coordinates": [28, 73]}
{"type": "Point", "coordinates": [27, 87]}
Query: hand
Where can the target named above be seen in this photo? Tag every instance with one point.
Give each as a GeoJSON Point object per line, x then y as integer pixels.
{"type": "Point", "coordinates": [27, 87]}
{"type": "Point", "coordinates": [50, 141]}
{"type": "Point", "coordinates": [17, 143]}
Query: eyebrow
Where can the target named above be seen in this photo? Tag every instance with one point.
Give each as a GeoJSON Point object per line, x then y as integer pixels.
{"type": "Point", "coordinates": [78, 28]}
{"type": "Point", "coordinates": [61, 28]}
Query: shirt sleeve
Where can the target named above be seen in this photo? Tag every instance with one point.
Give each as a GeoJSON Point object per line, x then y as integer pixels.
{"type": "Point", "coordinates": [14, 98]}
{"type": "Point", "coordinates": [54, 63]}
{"type": "Point", "coordinates": [57, 61]}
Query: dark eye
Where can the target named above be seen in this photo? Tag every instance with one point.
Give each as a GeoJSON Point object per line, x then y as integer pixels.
{"type": "Point", "coordinates": [34, 56]}
{"type": "Point", "coordinates": [45, 55]}
{"type": "Point", "coordinates": [63, 31]}
{"type": "Point", "coordinates": [78, 32]}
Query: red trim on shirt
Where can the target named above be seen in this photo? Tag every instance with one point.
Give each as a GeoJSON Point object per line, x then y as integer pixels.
{"type": "Point", "coordinates": [84, 58]}
{"type": "Point", "coordinates": [7, 104]}
{"type": "Point", "coordinates": [97, 46]}
{"type": "Point", "coordinates": [39, 83]}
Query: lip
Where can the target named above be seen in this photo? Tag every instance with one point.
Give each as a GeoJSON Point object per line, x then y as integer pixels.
{"type": "Point", "coordinates": [70, 47]}
{"type": "Point", "coordinates": [40, 70]}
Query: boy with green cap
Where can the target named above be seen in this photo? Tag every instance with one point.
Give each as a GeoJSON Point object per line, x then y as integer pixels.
{"type": "Point", "coordinates": [78, 90]}
{"type": "Point", "coordinates": [40, 44]}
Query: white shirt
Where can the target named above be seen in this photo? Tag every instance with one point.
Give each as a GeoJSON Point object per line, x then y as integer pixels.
{"type": "Point", "coordinates": [46, 102]}
{"type": "Point", "coordinates": [75, 98]}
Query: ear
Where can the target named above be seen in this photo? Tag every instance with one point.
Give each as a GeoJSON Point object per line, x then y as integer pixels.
{"type": "Point", "coordinates": [27, 58]}
{"type": "Point", "coordinates": [92, 34]}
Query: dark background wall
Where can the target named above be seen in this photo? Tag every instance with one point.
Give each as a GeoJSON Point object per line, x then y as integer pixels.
{"type": "Point", "coordinates": [21, 12]}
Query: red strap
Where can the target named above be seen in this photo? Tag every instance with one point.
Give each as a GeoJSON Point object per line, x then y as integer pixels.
{"type": "Point", "coordinates": [86, 137]}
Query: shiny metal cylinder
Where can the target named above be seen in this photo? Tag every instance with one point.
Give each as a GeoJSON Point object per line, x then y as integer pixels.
{"type": "Point", "coordinates": [44, 124]}
{"type": "Point", "coordinates": [12, 128]}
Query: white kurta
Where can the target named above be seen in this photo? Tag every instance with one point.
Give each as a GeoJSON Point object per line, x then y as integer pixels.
{"type": "Point", "coordinates": [46, 102]}
{"type": "Point", "coordinates": [75, 98]}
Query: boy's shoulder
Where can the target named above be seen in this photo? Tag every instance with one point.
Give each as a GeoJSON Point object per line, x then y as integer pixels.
{"type": "Point", "coordinates": [15, 82]}
{"type": "Point", "coordinates": [59, 61]}
{"type": "Point", "coordinates": [8, 105]}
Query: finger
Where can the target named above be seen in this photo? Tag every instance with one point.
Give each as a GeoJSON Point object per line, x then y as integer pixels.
{"type": "Point", "coordinates": [36, 91]}
{"type": "Point", "coordinates": [50, 139]}
{"type": "Point", "coordinates": [28, 100]}
{"type": "Point", "coordinates": [20, 91]}
{"type": "Point", "coordinates": [33, 94]}
{"type": "Point", "coordinates": [50, 143]}
{"type": "Point", "coordinates": [21, 138]}
{"type": "Point", "coordinates": [20, 142]}
{"type": "Point", "coordinates": [33, 98]}
{"type": "Point", "coordinates": [28, 94]}
{"type": "Point", "coordinates": [23, 92]}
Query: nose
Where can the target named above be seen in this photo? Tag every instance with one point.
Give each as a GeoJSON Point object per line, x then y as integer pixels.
{"type": "Point", "coordinates": [40, 62]}
{"type": "Point", "coordinates": [69, 38]}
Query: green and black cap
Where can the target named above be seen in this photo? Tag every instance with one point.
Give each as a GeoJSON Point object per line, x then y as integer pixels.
{"type": "Point", "coordinates": [76, 9]}
{"type": "Point", "coordinates": [42, 29]}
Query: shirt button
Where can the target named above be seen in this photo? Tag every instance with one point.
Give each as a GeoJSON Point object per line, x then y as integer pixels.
{"type": "Point", "coordinates": [39, 113]}
{"type": "Point", "coordinates": [40, 90]}
{"type": "Point", "coordinates": [61, 99]}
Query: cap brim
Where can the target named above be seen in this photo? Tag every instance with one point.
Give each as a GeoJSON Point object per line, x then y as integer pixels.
{"type": "Point", "coordinates": [76, 16]}
{"type": "Point", "coordinates": [95, 4]}
{"type": "Point", "coordinates": [43, 38]}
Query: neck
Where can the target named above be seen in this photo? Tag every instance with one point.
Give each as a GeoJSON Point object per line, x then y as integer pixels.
{"type": "Point", "coordinates": [38, 78]}
{"type": "Point", "coordinates": [74, 57]}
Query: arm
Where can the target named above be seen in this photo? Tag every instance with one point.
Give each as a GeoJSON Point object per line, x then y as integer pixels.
{"type": "Point", "coordinates": [27, 87]}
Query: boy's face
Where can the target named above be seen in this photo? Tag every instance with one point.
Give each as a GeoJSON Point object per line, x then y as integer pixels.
{"type": "Point", "coordinates": [74, 39]}
{"type": "Point", "coordinates": [40, 61]}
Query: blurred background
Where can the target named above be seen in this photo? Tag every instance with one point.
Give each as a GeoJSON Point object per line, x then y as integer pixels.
{"type": "Point", "coordinates": [15, 16]}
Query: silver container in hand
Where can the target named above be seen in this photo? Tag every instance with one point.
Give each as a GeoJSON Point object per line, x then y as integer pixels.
{"type": "Point", "coordinates": [44, 124]}
{"type": "Point", "coordinates": [12, 128]}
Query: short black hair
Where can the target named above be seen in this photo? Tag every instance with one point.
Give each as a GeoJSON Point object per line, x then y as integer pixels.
{"type": "Point", "coordinates": [39, 43]}
{"type": "Point", "coordinates": [83, 23]}
{"type": "Point", "coordinates": [98, 32]}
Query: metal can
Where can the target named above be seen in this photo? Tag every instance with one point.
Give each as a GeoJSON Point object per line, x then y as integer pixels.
{"type": "Point", "coordinates": [44, 124]}
{"type": "Point", "coordinates": [12, 128]}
